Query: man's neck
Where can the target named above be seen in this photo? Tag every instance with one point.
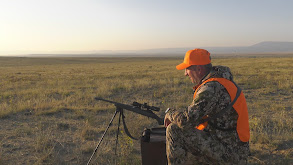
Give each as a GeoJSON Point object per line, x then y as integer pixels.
{"type": "Point", "coordinates": [205, 76]}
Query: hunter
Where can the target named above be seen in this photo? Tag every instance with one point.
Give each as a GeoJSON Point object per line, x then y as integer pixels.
{"type": "Point", "coordinates": [214, 129]}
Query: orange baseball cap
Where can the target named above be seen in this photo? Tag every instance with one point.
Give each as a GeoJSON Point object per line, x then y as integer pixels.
{"type": "Point", "coordinates": [195, 57]}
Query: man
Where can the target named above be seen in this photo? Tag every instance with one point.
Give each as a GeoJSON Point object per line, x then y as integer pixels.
{"type": "Point", "coordinates": [214, 128]}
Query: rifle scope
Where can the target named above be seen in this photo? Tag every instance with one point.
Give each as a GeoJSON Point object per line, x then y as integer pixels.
{"type": "Point", "coordinates": [145, 106]}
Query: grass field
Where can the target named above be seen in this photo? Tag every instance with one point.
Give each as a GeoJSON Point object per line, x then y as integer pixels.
{"type": "Point", "coordinates": [48, 114]}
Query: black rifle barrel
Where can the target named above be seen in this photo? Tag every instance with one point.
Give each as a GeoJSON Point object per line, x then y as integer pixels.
{"type": "Point", "coordinates": [147, 113]}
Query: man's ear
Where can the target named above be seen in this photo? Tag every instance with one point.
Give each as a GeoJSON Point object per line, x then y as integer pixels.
{"type": "Point", "coordinates": [199, 69]}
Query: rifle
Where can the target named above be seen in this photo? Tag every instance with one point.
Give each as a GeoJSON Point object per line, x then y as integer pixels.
{"type": "Point", "coordinates": [139, 108]}
{"type": "Point", "coordinates": [142, 109]}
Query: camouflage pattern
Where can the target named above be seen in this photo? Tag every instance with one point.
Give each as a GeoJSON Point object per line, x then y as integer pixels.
{"type": "Point", "coordinates": [187, 145]}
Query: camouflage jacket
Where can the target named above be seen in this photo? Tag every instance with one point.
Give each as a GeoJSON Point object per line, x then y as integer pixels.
{"type": "Point", "coordinates": [211, 98]}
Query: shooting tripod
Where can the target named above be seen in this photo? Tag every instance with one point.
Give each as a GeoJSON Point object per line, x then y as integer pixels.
{"type": "Point", "coordinates": [142, 109]}
{"type": "Point", "coordinates": [121, 115]}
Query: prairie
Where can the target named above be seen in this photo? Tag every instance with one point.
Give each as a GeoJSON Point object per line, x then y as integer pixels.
{"type": "Point", "coordinates": [48, 114]}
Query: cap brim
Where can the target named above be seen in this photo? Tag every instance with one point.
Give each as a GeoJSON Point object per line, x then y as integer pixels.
{"type": "Point", "coordinates": [182, 66]}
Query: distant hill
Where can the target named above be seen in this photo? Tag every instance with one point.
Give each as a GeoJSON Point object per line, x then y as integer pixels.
{"type": "Point", "coordinates": [273, 47]}
{"type": "Point", "coordinates": [262, 47]}
{"type": "Point", "coordinates": [268, 47]}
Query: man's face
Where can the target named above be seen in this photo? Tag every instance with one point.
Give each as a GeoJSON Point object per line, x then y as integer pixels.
{"type": "Point", "coordinates": [194, 74]}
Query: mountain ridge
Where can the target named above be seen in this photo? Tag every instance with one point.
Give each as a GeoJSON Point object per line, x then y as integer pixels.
{"type": "Point", "coordinates": [262, 47]}
{"type": "Point", "coordinates": [258, 48]}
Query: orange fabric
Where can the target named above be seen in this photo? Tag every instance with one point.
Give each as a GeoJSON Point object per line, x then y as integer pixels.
{"type": "Point", "coordinates": [240, 107]}
{"type": "Point", "coordinates": [195, 57]}
{"type": "Point", "coordinates": [202, 125]}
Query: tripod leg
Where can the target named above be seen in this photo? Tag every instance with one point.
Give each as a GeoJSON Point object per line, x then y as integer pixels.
{"type": "Point", "coordinates": [118, 129]}
{"type": "Point", "coordinates": [102, 137]}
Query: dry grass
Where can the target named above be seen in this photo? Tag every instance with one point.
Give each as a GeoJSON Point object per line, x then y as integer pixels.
{"type": "Point", "coordinates": [48, 114]}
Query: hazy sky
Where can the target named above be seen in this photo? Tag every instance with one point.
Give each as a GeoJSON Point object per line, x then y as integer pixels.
{"type": "Point", "coordinates": [86, 25]}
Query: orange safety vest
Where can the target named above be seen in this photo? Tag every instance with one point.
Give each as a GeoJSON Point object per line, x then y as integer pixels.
{"type": "Point", "coordinates": [240, 107]}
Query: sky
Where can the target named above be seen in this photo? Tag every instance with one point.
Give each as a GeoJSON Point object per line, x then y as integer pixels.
{"type": "Point", "coordinates": [35, 26]}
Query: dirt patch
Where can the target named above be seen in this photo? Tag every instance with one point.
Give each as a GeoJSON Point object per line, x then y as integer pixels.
{"type": "Point", "coordinates": [43, 139]}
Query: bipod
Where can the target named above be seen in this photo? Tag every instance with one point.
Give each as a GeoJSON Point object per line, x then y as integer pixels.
{"type": "Point", "coordinates": [120, 110]}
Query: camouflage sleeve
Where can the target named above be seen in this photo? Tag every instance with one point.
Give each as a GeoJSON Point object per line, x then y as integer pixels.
{"type": "Point", "coordinates": [210, 99]}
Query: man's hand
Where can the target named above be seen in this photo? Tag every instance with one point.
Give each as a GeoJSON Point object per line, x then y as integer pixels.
{"type": "Point", "coordinates": [167, 120]}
